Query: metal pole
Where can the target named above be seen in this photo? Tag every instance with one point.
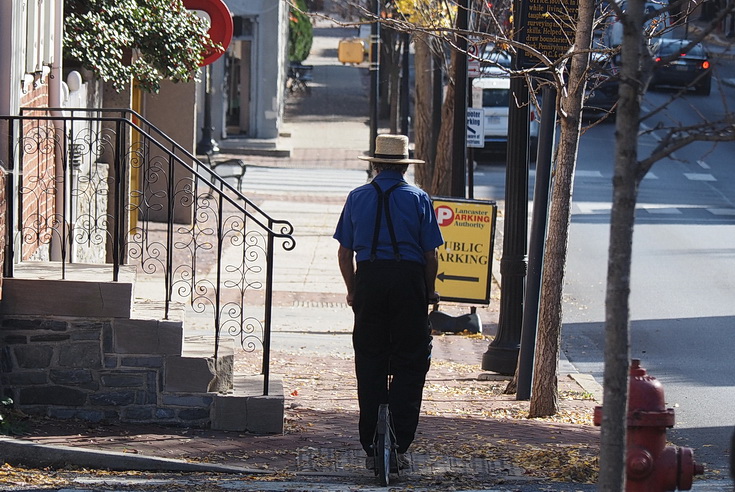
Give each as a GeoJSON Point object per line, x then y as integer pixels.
{"type": "Point", "coordinates": [207, 144]}
{"type": "Point", "coordinates": [459, 132]}
{"type": "Point", "coordinates": [10, 222]}
{"type": "Point", "coordinates": [502, 354]}
{"type": "Point", "coordinates": [374, 73]}
{"type": "Point", "coordinates": [405, 84]}
{"type": "Point", "coordinates": [436, 102]}
{"type": "Point", "coordinates": [536, 243]}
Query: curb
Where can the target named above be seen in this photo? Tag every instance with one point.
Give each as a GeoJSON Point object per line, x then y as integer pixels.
{"type": "Point", "coordinates": [17, 452]}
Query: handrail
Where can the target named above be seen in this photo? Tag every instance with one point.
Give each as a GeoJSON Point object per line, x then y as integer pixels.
{"type": "Point", "coordinates": [287, 226]}
{"type": "Point", "coordinates": [73, 178]}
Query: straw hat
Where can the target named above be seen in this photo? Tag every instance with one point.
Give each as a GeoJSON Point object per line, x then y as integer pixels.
{"type": "Point", "coordinates": [391, 149]}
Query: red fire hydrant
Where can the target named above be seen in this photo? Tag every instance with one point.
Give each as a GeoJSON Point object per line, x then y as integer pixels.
{"type": "Point", "coordinates": [652, 466]}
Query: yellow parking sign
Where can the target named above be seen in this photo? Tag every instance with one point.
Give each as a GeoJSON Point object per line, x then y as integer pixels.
{"type": "Point", "coordinates": [465, 258]}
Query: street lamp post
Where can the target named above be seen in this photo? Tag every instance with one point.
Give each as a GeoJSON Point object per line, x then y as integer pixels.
{"type": "Point", "coordinates": [459, 140]}
{"type": "Point", "coordinates": [374, 73]}
{"type": "Point", "coordinates": [502, 354]}
{"type": "Point", "coordinates": [207, 144]}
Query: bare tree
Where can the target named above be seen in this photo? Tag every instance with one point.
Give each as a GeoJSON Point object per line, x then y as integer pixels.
{"type": "Point", "coordinates": [629, 171]}
{"type": "Point", "coordinates": [544, 401]}
{"type": "Point", "coordinates": [423, 95]}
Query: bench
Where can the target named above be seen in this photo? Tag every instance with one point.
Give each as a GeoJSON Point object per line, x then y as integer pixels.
{"type": "Point", "coordinates": [228, 169]}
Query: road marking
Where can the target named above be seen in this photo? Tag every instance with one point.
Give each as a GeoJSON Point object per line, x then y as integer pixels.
{"type": "Point", "coordinates": [660, 209]}
{"type": "Point", "coordinates": [650, 175]}
{"type": "Point", "coordinates": [600, 208]}
{"type": "Point", "coordinates": [310, 181]}
{"type": "Point", "coordinates": [588, 174]}
{"type": "Point", "coordinates": [592, 208]}
{"type": "Point", "coordinates": [703, 165]}
{"type": "Point", "coordinates": [700, 177]}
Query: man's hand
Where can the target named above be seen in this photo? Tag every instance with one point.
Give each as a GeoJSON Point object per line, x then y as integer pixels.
{"type": "Point", "coordinates": [346, 259]}
{"type": "Point", "coordinates": [434, 297]}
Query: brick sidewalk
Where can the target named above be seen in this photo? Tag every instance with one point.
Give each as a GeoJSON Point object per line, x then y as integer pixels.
{"type": "Point", "coordinates": [468, 427]}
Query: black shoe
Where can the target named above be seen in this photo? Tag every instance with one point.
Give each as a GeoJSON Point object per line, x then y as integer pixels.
{"type": "Point", "coordinates": [400, 463]}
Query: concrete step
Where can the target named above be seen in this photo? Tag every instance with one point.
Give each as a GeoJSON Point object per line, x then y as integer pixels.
{"type": "Point", "coordinates": [79, 290]}
{"type": "Point", "coordinates": [154, 309]}
{"type": "Point", "coordinates": [147, 337]}
{"type": "Point", "coordinates": [239, 145]}
{"type": "Point", "coordinates": [197, 371]}
{"type": "Point", "coordinates": [246, 409]}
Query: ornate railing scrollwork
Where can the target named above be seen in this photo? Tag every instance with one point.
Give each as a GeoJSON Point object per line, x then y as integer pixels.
{"type": "Point", "coordinates": [106, 186]}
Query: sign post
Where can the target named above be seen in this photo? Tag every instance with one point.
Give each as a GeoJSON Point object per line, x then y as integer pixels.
{"type": "Point", "coordinates": [545, 27]}
{"type": "Point", "coordinates": [465, 258]}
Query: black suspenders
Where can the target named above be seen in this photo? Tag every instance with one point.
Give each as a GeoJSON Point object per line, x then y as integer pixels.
{"type": "Point", "coordinates": [383, 203]}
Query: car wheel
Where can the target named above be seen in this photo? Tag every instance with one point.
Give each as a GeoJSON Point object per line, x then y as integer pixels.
{"type": "Point", "coordinates": [705, 87]}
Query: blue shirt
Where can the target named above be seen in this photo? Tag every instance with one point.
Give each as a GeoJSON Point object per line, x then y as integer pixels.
{"type": "Point", "coordinates": [412, 214]}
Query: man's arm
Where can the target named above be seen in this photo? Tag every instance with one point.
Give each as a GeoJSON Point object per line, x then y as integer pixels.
{"type": "Point", "coordinates": [432, 266]}
{"type": "Point", "coordinates": [346, 258]}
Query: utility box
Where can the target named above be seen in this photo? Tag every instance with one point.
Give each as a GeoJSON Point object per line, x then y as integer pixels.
{"type": "Point", "coordinates": [351, 50]}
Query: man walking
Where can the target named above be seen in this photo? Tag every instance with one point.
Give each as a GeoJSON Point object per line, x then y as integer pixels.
{"type": "Point", "coordinates": [388, 236]}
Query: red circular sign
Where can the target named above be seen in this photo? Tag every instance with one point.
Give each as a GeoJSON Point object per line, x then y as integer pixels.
{"type": "Point", "coordinates": [220, 28]}
{"type": "Point", "coordinates": [444, 215]}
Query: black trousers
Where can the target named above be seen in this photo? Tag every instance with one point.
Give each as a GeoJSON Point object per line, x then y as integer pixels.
{"type": "Point", "coordinates": [391, 333]}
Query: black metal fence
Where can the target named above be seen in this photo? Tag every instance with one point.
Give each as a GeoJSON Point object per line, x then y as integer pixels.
{"type": "Point", "coordinates": [107, 186]}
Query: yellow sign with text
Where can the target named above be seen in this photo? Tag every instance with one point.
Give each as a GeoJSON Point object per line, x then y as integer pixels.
{"type": "Point", "coordinates": [465, 258]}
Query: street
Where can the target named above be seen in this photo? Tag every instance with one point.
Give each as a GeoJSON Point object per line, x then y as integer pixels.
{"type": "Point", "coordinates": [683, 275]}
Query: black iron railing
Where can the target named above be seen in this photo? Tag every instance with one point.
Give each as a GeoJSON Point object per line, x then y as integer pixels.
{"type": "Point", "coordinates": [107, 186]}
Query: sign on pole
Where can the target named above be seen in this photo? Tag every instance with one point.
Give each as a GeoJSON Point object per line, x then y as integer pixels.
{"type": "Point", "coordinates": [473, 60]}
{"type": "Point", "coordinates": [546, 25]}
{"type": "Point", "coordinates": [465, 258]}
{"type": "Point", "coordinates": [475, 127]}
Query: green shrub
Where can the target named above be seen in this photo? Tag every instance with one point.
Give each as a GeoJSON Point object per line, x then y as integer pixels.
{"type": "Point", "coordinates": [11, 420]}
{"type": "Point", "coordinates": [149, 40]}
{"type": "Point", "coordinates": [300, 33]}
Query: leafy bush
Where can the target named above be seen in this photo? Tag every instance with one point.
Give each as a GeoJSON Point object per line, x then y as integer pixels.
{"type": "Point", "coordinates": [10, 419]}
{"type": "Point", "coordinates": [300, 33]}
{"type": "Point", "coordinates": [149, 40]}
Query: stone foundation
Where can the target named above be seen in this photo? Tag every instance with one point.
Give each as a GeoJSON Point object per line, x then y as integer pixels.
{"type": "Point", "coordinates": [97, 370]}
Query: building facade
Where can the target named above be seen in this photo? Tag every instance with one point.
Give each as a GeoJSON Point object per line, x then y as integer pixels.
{"type": "Point", "coordinates": [247, 83]}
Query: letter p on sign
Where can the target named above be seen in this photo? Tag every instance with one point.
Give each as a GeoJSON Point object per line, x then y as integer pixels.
{"type": "Point", "coordinates": [444, 215]}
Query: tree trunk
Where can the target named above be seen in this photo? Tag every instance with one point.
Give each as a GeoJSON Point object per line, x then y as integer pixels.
{"type": "Point", "coordinates": [545, 393]}
{"type": "Point", "coordinates": [442, 183]}
{"type": "Point", "coordinates": [622, 218]}
{"type": "Point", "coordinates": [423, 109]}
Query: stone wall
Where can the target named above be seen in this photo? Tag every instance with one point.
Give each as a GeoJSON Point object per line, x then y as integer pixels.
{"type": "Point", "coordinates": [85, 369]}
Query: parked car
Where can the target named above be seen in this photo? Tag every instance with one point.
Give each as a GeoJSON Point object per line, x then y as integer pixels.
{"type": "Point", "coordinates": [658, 26]}
{"type": "Point", "coordinates": [495, 61]}
{"type": "Point", "coordinates": [602, 86]}
{"type": "Point", "coordinates": [493, 95]}
{"type": "Point", "coordinates": [674, 67]}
